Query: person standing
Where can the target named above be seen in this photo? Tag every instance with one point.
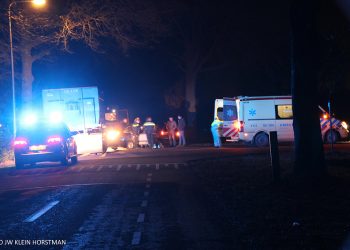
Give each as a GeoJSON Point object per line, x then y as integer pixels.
{"type": "Point", "coordinates": [181, 124]}
{"type": "Point", "coordinates": [171, 128]}
{"type": "Point", "coordinates": [136, 130]}
{"type": "Point", "coordinates": [215, 126]}
{"type": "Point", "coordinates": [149, 128]}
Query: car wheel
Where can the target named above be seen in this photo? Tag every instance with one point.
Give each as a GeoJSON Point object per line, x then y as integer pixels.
{"type": "Point", "coordinates": [261, 140]}
{"type": "Point", "coordinates": [331, 137]}
{"type": "Point", "coordinates": [65, 160]}
{"type": "Point", "coordinates": [74, 159]}
{"type": "Point", "coordinates": [104, 148]}
{"type": "Point", "coordinates": [19, 164]}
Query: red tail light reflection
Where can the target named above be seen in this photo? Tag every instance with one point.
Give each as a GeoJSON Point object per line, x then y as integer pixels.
{"type": "Point", "coordinates": [20, 142]}
{"type": "Point", "coordinates": [54, 139]}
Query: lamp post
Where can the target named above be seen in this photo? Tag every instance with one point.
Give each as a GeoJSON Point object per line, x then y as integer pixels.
{"type": "Point", "coordinates": [37, 3]}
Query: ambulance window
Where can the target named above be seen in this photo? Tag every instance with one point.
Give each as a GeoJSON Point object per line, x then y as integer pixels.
{"type": "Point", "coordinates": [284, 112]}
{"type": "Point", "coordinates": [220, 112]}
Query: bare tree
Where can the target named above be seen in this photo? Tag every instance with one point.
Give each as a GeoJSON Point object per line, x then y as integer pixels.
{"type": "Point", "coordinates": [306, 63]}
{"type": "Point", "coordinates": [198, 35]}
{"type": "Point", "coordinates": [36, 33]}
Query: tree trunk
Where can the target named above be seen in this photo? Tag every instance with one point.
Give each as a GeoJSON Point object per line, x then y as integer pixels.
{"type": "Point", "coordinates": [191, 101]}
{"type": "Point", "coordinates": [27, 76]}
{"type": "Point", "coordinates": [309, 155]}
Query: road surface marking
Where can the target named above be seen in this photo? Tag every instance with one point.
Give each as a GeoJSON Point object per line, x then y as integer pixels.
{"type": "Point", "coordinates": [146, 193]}
{"type": "Point", "coordinates": [119, 167]}
{"type": "Point", "coordinates": [176, 166]}
{"type": "Point", "coordinates": [138, 167]}
{"type": "Point", "coordinates": [42, 211]}
{"type": "Point", "coordinates": [110, 166]}
{"type": "Point", "coordinates": [136, 238]}
{"type": "Point", "coordinates": [157, 166]}
{"type": "Point", "coordinates": [91, 167]}
{"type": "Point", "coordinates": [148, 165]}
{"type": "Point", "coordinates": [148, 185]}
{"type": "Point", "coordinates": [99, 169]}
{"type": "Point", "coordinates": [141, 218]}
{"type": "Point", "coordinates": [104, 155]}
{"type": "Point", "coordinates": [166, 164]}
{"type": "Point", "coordinates": [80, 169]}
{"type": "Point", "coordinates": [149, 174]}
{"type": "Point", "coordinates": [83, 155]}
{"type": "Point", "coordinates": [129, 165]}
{"type": "Point", "coordinates": [144, 203]}
{"type": "Point", "coordinates": [149, 179]}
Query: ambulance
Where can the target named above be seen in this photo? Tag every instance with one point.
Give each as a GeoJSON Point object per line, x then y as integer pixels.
{"type": "Point", "coordinates": [255, 116]}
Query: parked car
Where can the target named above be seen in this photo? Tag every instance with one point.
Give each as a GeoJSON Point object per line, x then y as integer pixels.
{"type": "Point", "coordinates": [115, 135]}
{"type": "Point", "coordinates": [44, 141]}
{"type": "Point", "coordinates": [162, 135]}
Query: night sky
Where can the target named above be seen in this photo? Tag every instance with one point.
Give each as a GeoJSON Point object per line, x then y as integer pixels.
{"type": "Point", "coordinates": [254, 59]}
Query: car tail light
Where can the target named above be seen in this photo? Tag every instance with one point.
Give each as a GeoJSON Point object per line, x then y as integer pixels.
{"type": "Point", "coordinates": [54, 139]}
{"type": "Point", "coordinates": [162, 132]}
{"type": "Point", "coordinates": [178, 134]}
{"type": "Point", "coordinates": [20, 142]}
{"type": "Point", "coordinates": [241, 129]}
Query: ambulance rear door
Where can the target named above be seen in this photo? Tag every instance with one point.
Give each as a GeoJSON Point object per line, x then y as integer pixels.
{"type": "Point", "coordinates": [230, 119]}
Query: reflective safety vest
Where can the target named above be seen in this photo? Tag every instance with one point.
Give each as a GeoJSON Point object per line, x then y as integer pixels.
{"type": "Point", "coordinates": [216, 124]}
{"type": "Point", "coordinates": [149, 127]}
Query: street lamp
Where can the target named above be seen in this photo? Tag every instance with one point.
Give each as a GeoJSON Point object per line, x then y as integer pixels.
{"type": "Point", "coordinates": [36, 3]}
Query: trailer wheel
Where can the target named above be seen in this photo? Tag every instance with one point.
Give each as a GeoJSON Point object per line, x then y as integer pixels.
{"type": "Point", "coordinates": [261, 140]}
{"type": "Point", "coordinates": [104, 148]}
{"type": "Point", "coordinates": [331, 137]}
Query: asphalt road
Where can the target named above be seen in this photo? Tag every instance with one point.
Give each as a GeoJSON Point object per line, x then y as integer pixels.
{"type": "Point", "coordinates": [138, 199]}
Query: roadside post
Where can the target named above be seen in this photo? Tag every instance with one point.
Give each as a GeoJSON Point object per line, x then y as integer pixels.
{"type": "Point", "coordinates": [275, 158]}
{"type": "Point", "coordinates": [330, 123]}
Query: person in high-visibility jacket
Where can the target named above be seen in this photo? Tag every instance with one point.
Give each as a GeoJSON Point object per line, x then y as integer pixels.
{"type": "Point", "coordinates": [215, 126]}
{"type": "Point", "coordinates": [136, 130]}
{"type": "Point", "coordinates": [149, 128]}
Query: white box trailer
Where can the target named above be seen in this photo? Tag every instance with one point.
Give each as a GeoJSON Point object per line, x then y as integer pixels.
{"type": "Point", "coordinates": [258, 115]}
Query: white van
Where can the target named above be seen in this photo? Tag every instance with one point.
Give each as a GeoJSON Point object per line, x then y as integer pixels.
{"type": "Point", "coordinates": [258, 115]}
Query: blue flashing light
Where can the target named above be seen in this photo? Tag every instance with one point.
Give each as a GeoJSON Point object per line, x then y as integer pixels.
{"type": "Point", "coordinates": [29, 119]}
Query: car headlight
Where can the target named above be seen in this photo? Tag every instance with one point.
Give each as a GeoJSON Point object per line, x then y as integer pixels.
{"type": "Point", "coordinates": [113, 134]}
{"type": "Point", "coordinates": [344, 125]}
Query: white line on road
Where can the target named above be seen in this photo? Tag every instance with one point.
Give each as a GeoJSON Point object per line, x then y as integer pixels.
{"type": "Point", "coordinates": [141, 218]}
{"type": "Point", "coordinates": [148, 185]}
{"type": "Point", "coordinates": [110, 166]}
{"type": "Point", "coordinates": [146, 193]}
{"type": "Point", "coordinates": [104, 155]}
{"type": "Point", "coordinates": [157, 166]}
{"type": "Point", "coordinates": [149, 174]}
{"type": "Point", "coordinates": [42, 211]}
{"type": "Point", "coordinates": [129, 165]}
{"type": "Point", "coordinates": [83, 155]}
{"type": "Point", "coordinates": [119, 167]}
{"type": "Point", "coordinates": [99, 169]}
{"type": "Point", "coordinates": [138, 167]}
{"type": "Point", "coordinates": [144, 203]}
{"type": "Point", "coordinates": [149, 179]}
{"type": "Point", "coordinates": [136, 238]}
{"type": "Point", "coordinates": [176, 166]}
